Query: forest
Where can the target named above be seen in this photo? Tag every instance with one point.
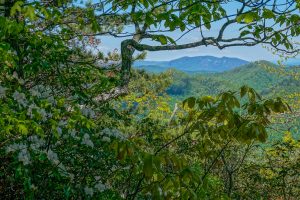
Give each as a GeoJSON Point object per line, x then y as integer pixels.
{"type": "Point", "coordinates": [78, 122]}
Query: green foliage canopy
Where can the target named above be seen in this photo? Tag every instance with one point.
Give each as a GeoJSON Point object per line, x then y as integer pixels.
{"type": "Point", "coordinates": [64, 133]}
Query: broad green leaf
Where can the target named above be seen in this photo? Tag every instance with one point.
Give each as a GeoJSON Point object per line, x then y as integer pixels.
{"type": "Point", "coordinates": [268, 14]}
{"type": "Point", "coordinates": [190, 102]}
{"type": "Point", "coordinates": [30, 12]}
{"type": "Point", "coordinates": [163, 40]}
{"type": "Point", "coordinates": [249, 17]}
{"type": "Point", "coordinates": [148, 166]}
{"type": "Point", "coordinates": [23, 129]}
{"type": "Point", "coordinates": [16, 8]}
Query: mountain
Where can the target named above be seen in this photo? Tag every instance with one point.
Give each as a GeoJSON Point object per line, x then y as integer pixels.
{"type": "Point", "coordinates": [268, 79]}
{"type": "Point", "coordinates": [260, 75]}
{"type": "Point", "coordinates": [192, 64]}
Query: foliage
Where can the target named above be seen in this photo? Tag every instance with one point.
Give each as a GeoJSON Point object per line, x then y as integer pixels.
{"type": "Point", "coordinates": [68, 131]}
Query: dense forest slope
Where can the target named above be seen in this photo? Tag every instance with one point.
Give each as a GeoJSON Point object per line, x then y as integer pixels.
{"type": "Point", "coordinates": [260, 75]}
{"type": "Point", "coordinates": [268, 79]}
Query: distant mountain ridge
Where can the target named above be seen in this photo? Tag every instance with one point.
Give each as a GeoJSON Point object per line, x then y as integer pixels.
{"type": "Point", "coordinates": [192, 64]}
{"type": "Point", "coordinates": [292, 62]}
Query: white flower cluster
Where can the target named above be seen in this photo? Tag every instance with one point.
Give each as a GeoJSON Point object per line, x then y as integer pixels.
{"type": "Point", "coordinates": [51, 100]}
{"type": "Point", "coordinates": [42, 91]}
{"type": "Point", "coordinates": [98, 187]}
{"type": "Point", "coordinates": [23, 156]}
{"type": "Point", "coordinates": [114, 168]}
{"type": "Point", "coordinates": [15, 147]}
{"type": "Point", "coordinates": [16, 76]}
{"type": "Point", "coordinates": [41, 111]}
{"type": "Point", "coordinates": [107, 133]}
{"type": "Point", "coordinates": [36, 143]}
{"type": "Point", "coordinates": [71, 176]}
{"type": "Point", "coordinates": [34, 92]}
{"type": "Point", "coordinates": [87, 141]}
{"type": "Point", "coordinates": [59, 131]}
{"type": "Point", "coordinates": [30, 109]}
{"type": "Point", "coordinates": [72, 132]}
{"type": "Point", "coordinates": [20, 98]}
{"type": "Point", "coordinates": [106, 139]}
{"type": "Point", "coordinates": [88, 112]}
{"type": "Point", "coordinates": [2, 92]}
{"type": "Point", "coordinates": [62, 170]}
{"type": "Point", "coordinates": [44, 114]}
{"type": "Point", "coordinates": [62, 123]}
{"type": "Point", "coordinates": [52, 156]}
{"type": "Point", "coordinates": [89, 191]}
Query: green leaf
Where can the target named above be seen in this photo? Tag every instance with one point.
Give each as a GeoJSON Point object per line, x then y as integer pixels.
{"type": "Point", "coordinates": [149, 20]}
{"type": "Point", "coordinates": [248, 18]}
{"type": "Point", "coordinates": [30, 12]}
{"type": "Point", "coordinates": [245, 32]}
{"type": "Point", "coordinates": [244, 90]}
{"type": "Point", "coordinates": [262, 136]}
{"type": "Point", "coordinates": [42, 157]}
{"type": "Point", "coordinates": [145, 3]}
{"type": "Point", "coordinates": [148, 166]}
{"type": "Point", "coordinates": [163, 39]}
{"type": "Point", "coordinates": [268, 14]}
{"type": "Point", "coordinates": [251, 96]}
{"type": "Point", "coordinates": [182, 26]}
{"type": "Point", "coordinates": [207, 24]}
{"type": "Point", "coordinates": [171, 40]}
{"type": "Point", "coordinates": [16, 8]}
{"type": "Point", "coordinates": [239, 18]}
{"type": "Point", "coordinates": [207, 99]}
{"type": "Point", "coordinates": [23, 129]}
{"type": "Point", "coordinates": [190, 102]}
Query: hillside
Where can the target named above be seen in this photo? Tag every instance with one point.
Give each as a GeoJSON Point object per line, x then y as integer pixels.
{"type": "Point", "coordinates": [192, 64]}
{"type": "Point", "coordinates": [257, 75]}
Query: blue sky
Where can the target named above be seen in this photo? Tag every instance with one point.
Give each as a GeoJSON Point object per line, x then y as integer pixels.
{"type": "Point", "coordinates": [247, 53]}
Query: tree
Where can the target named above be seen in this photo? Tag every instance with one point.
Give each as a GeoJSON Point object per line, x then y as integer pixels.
{"type": "Point", "coordinates": [65, 134]}
{"type": "Point", "coordinates": [262, 22]}
{"type": "Point", "coordinates": [256, 22]}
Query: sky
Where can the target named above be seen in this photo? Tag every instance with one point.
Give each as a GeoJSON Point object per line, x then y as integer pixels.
{"type": "Point", "coordinates": [247, 53]}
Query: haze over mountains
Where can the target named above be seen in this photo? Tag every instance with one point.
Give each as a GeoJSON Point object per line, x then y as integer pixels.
{"type": "Point", "coordinates": [193, 64]}
{"type": "Point", "coordinates": [199, 64]}
{"type": "Point", "coordinates": [292, 62]}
